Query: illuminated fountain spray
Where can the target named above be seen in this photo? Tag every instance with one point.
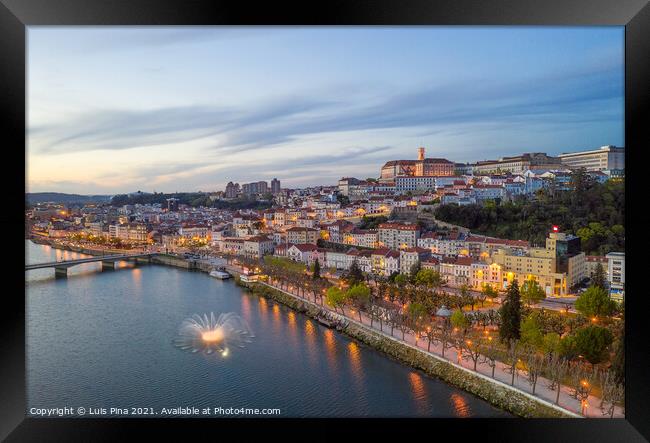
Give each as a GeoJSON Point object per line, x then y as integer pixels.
{"type": "Point", "coordinates": [208, 334]}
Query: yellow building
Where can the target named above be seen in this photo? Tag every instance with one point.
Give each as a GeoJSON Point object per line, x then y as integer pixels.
{"type": "Point", "coordinates": [556, 268]}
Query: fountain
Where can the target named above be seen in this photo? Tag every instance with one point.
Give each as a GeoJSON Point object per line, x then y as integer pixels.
{"type": "Point", "coordinates": [209, 335]}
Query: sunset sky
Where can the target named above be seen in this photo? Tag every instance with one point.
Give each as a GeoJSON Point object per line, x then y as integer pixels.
{"type": "Point", "coordinates": [121, 109]}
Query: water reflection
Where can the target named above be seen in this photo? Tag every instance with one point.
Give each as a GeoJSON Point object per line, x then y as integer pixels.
{"type": "Point", "coordinates": [136, 275]}
{"type": "Point", "coordinates": [460, 405]}
{"type": "Point", "coordinates": [310, 339]}
{"type": "Point", "coordinates": [357, 369]}
{"type": "Point", "coordinates": [419, 392]}
{"type": "Point", "coordinates": [246, 307]}
{"type": "Point", "coordinates": [330, 348]}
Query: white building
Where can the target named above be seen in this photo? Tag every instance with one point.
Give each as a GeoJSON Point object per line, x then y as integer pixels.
{"type": "Point", "coordinates": [616, 274]}
{"type": "Point", "coordinates": [607, 158]}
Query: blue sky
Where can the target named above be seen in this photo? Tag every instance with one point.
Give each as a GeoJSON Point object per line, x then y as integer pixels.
{"type": "Point", "coordinates": [119, 109]}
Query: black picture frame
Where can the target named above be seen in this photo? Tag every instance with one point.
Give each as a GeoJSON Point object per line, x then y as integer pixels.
{"type": "Point", "coordinates": [15, 15]}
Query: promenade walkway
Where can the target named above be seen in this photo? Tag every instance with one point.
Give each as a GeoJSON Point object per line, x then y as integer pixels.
{"type": "Point", "coordinates": [542, 391]}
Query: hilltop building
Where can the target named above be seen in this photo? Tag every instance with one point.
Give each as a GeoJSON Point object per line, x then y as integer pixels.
{"type": "Point", "coordinates": [422, 167]}
{"type": "Point", "coordinates": [608, 159]}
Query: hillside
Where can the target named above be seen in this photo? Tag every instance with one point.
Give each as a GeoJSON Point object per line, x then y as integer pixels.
{"type": "Point", "coordinates": [59, 197]}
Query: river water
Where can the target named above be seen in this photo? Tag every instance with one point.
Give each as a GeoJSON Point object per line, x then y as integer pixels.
{"type": "Point", "coordinates": [104, 340]}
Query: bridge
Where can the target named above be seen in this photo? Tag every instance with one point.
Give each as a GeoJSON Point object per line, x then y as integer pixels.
{"type": "Point", "coordinates": [108, 262]}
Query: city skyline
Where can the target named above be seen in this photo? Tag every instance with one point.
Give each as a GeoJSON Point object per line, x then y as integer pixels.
{"type": "Point", "coordinates": [115, 110]}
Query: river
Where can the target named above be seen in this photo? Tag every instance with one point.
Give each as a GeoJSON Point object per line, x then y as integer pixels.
{"type": "Point", "coordinates": [104, 340]}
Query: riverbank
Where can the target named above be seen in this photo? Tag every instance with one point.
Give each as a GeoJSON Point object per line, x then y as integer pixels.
{"type": "Point", "coordinates": [493, 391]}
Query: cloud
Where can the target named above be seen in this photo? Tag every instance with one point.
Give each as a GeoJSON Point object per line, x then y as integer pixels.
{"type": "Point", "coordinates": [579, 98]}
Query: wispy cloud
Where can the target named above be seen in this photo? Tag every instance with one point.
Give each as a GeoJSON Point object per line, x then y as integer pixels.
{"type": "Point", "coordinates": [289, 118]}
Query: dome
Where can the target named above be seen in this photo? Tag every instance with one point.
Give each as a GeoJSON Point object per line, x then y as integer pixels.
{"type": "Point", "coordinates": [443, 312]}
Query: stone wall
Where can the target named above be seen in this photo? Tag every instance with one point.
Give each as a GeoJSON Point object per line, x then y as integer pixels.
{"type": "Point", "coordinates": [492, 391]}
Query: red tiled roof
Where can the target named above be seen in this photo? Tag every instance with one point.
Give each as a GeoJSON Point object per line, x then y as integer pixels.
{"type": "Point", "coordinates": [399, 226]}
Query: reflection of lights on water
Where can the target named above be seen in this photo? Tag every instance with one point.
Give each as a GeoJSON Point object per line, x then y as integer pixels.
{"type": "Point", "coordinates": [209, 334]}
{"type": "Point", "coordinates": [460, 405]}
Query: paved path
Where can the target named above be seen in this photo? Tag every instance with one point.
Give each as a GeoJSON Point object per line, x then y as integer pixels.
{"type": "Point", "coordinates": [452, 355]}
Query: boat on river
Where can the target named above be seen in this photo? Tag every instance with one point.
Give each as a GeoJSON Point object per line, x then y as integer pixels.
{"type": "Point", "coordinates": [221, 275]}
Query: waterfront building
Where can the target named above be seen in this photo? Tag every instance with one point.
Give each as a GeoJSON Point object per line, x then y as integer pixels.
{"type": "Point", "coordinates": [301, 252]}
{"type": "Point", "coordinates": [94, 228]}
{"type": "Point", "coordinates": [231, 245]}
{"type": "Point", "coordinates": [258, 246]}
{"type": "Point", "coordinates": [192, 231]}
{"type": "Point", "coordinates": [609, 159]}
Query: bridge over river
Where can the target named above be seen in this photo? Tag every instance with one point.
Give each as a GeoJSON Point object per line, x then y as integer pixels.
{"type": "Point", "coordinates": [108, 262]}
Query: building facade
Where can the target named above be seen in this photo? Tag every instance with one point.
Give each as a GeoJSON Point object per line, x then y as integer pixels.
{"type": "Point", "coordinates": [609, 159]}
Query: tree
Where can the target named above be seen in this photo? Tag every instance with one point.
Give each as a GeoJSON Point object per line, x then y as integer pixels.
{"type": "Point", "coordinates": [534, 366]}
{"type": "Point", "coordinates": [445, 338]}
{"type": "Point", "coordinates": [466, 297]}
{"type": "Point", "coordinates": [557, 368]}
{"type": "Point", "coordinates": [618, 361]}
{"type": "Point", "coordinates": [414, 272]}
{"type": "Point", "coordinates": [472, 351]}
{"type": "Point", "coordinates": [490, 354]}
{"type": "Point", "coordinates": [598, 278]}
{"type": "Point", "coordinates": [354, 274]}
{"type": "Point", "coordinates": [551, 343]}
{"type": "Point", "coordinates": [416, 314]}
{"type": "Point", "coordinates": [316, 274]}
{"type": "Point", "coordinates": [531, 333]}
{"type": "Point", "coordinates": [487, 291]}
{"type": "Point", "coordinates": [568, 348]}
{"type": "Point", "coordinates": [592, 342]}
{"type": "Point", "coordinates": [429, 278]}
{"type": "Point", "coordinates": [459, 320]}
{"type": "Point", "coordinates": [510, 313]}
{"type": "Point", "coordinates": [335, 297]}
{"type": "Point", "coordinates": [531, 292]}
{"type": "Point", "coordinates": [595, 302]}
{"type": "Point", "coordinates": [512, 359]}
{"type": "Point", "coordinates": [401, 280]}
{"type": "Point", "coordinates": [613, 393]}
{"type": "Point", "coordinates": [430, 333]}
{"type": "Point", "coordinates": [359, 295]}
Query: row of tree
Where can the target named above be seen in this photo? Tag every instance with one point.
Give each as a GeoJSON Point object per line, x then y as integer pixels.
{"type": "Point", "coordinates": [533, 343]}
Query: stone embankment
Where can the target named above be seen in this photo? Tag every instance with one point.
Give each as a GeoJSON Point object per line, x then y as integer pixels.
{"type": "Point", "coordinates": [497, 393]}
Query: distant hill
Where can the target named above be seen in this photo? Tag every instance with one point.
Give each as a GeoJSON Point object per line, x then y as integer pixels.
{"type": "Point", "coordinates": [59, 197]}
